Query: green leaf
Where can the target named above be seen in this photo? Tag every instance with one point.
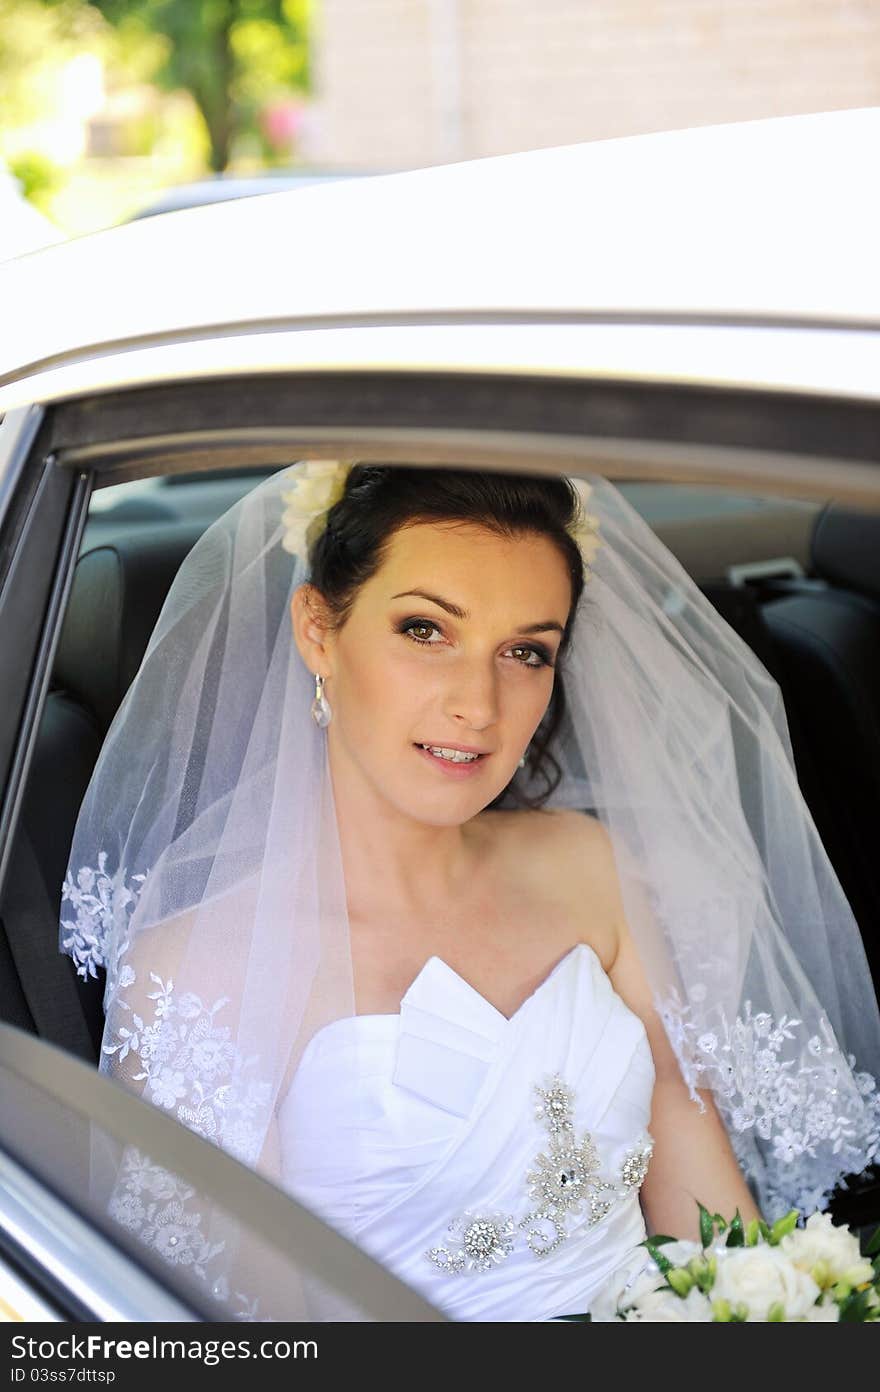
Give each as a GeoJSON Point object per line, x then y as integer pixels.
{"type": "Point", "coordinates": [776, 1313]}
{"type": "Point", "coordinates": [663, 1263]}
{"type": "Point", "coordinates": [736, 1236]}
{"type": "Point", "coordinates": [784, 1226]}
{"type": "Point", "coordinates": [753, 1232]}
{"type": "Point", "coordinates": [707, 1226]}
{"type": "Point", "coordinates": [658, 1239]}
{"type": "Point", "coordinates": [854, 1309]}
{"type": "Point", "coordinates": [764, 1229]}
{"type": "Point", "coordinates": [873, 1245]}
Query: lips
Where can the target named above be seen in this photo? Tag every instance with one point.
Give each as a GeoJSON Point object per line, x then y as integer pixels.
{"type": "Point", "coordinates": [466, 769]}
{"type": "Point", "coordinates": [448, 744]}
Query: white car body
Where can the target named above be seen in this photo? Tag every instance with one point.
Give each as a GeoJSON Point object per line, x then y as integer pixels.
{"type": "Point", "coordinates": [704, 256]}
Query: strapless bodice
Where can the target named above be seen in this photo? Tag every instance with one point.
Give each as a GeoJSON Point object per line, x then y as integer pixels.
{"type": "Point", "coordinates": [492, 1163]}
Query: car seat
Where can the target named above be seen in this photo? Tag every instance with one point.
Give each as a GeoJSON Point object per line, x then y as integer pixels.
{"type": "Point", "coordinates": [118, 590]}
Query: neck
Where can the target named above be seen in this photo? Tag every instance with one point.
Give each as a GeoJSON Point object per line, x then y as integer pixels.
{"type": "Point", "coordinates": [392, 861]}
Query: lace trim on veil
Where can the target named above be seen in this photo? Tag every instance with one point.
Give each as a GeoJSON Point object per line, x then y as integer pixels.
{"type": "Point", "coordinates": [99, 901]}
{"type": "Point", "coordinates": [187, 1065]}
{"type": "Point", "coordinates": [777, 1086]}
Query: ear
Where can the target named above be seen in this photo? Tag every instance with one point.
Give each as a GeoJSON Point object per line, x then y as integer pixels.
{"type": "Point", "coordinates": [311, 633]}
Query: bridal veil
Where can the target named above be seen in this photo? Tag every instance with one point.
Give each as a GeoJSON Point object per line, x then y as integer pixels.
{"type": "Point", "coordinates": [205, 874]}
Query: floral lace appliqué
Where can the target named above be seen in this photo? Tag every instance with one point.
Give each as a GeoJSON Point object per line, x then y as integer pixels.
{"type": "Point", "coordinates": [562, 1182]}
{"type": "Point", "coordinates": [190, 1066]}
{"type": "Point", "coordinates": [102, 905]}
{"type": "Point", "coordinates": [155, 1205]}
{"type": "Point", "coordinates": [786, 1095]}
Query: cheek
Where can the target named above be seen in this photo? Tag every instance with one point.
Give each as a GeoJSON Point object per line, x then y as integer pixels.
{"type": "Point", "coordinates": [387, 682]}
{"type": "Point", "coordinates": [378, 687]}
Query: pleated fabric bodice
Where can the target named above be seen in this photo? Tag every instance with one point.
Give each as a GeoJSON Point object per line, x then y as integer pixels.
{"type": "Point", "coordinates": [493, 1164]}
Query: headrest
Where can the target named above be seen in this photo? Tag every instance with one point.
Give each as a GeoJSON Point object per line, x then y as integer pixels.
{"type": "Point", "coordinates": [118, 590]}
{"type": "Point", "coordinates": [845, 549]}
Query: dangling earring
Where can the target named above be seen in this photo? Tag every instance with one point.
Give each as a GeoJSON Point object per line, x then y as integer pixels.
{"type": "Point", "coordinates": [321, 711]}
{"type": "Point", "coordinates": [522, 762]}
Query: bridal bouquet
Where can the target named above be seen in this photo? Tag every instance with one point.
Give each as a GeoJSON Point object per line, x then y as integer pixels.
{"type": "Point", "coordinates": [752, 1272]}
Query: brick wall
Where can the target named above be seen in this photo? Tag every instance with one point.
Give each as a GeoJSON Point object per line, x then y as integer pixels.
{"type": "Point", "coordinates": [410, 82]}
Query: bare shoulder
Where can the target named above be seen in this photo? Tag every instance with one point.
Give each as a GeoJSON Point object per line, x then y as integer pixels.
{"type": "Point", "coordinates": [572, 859]}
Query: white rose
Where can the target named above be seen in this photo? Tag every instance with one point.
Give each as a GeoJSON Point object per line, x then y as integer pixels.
{"type": "Point", "coordinates": [638, 1276]}
{"type": "Point", "coordinates": [837, 1248]}
{"type": "Point", "coordinates": [665, 1307]}
{"type": "Point", "coordinates": [826, 1313]}
{"type": "Point", "coordinates": [761, 1276]}
{"type": "Point", "coordinates": [313, 480]}
{"type": "Point", "coordinates": [318, 484]}
{"type": "Point", "coordinates": [586, 533]}
{"type": "Point", "coordinates": [586, 527]}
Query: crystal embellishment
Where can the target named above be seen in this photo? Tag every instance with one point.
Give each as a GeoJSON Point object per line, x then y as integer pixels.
{"type": "Point", "coordinates": [564, 1177]}
{"type": "Point", "coordinates": [485, 1240]}
{"type": "Point", "coordinates": [635, 1165]}
{"type": "Point", "coordinates": [563, 1181]}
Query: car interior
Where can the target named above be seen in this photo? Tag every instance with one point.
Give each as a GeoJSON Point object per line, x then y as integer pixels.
{"type": "Point", "coordinates": [799, 580]}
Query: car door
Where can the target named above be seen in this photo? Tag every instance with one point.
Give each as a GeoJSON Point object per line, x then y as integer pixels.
{"type": "Point", "coordinates": [68, 1248]}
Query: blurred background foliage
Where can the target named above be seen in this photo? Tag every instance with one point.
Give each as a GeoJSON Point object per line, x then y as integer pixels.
{"type": "Point", "coordinates": [104, 102]}
{"type": "Point", "coordinates": [105, 105]}
{"type": "Point", "coordinates": [234, 57]}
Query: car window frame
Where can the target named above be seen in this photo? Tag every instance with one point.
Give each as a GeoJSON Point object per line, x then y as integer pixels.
{"type": "Point", "coordinates": [668, 431]}
{"type": "Point", "coordinates": [550, 424]}
{"type": "Point", "coordinates": [44, 512]}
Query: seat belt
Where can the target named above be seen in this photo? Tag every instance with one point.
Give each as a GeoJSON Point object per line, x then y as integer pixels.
{"type": "Point", "coordinates": [47, 980]}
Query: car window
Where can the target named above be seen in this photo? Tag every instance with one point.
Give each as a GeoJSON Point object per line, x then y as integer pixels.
{"type": "Point", "coordinates": [709, 529]}
{"type": "Point", "coordinates": [136, 535]}
{"type": "Point", "coordinates": [155, 1222]}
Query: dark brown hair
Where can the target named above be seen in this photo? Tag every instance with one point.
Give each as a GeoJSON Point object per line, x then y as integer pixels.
{"type": "Point", "coordinates": [380, 499]}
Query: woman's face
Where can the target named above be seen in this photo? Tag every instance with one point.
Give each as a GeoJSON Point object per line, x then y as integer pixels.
{"type": "Point", "coordinates": [471, 666]}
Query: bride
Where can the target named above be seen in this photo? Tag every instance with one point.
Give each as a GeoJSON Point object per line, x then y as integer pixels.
{"type": "Point", "coordinates": [448, 865]}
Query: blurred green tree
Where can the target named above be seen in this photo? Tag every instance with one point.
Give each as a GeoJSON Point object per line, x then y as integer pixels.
{"type": "Point", "coordinates": [232, 55]}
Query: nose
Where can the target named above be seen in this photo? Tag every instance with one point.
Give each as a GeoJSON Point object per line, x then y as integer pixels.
{"type": "Point", "coordinates": [472, 698]}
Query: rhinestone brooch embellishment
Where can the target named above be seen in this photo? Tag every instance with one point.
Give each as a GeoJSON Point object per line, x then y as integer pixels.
{"type": "Point", "coordinates": [562, 1181]}
{"type": "Point", "coordinates": [635, 1165]}
{"type": "Point", "coordinates": [485, 1239]}
{"type": "Point", "coordinates": [565, 1177]}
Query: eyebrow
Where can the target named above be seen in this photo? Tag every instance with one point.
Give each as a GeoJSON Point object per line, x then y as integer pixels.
{"type": "Point", "coordinates": [458, 613]}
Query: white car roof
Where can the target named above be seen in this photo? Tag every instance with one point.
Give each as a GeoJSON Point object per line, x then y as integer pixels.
{"type": "Point", "coordinates": [772, 221]}
{"type": "Point", "coordinates": [22, 228]}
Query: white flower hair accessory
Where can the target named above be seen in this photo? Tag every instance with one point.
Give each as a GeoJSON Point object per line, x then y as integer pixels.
{"type": "Point", "coordinates": [317, 485]}
{"type": "Point", "coordinates": [585, 529]}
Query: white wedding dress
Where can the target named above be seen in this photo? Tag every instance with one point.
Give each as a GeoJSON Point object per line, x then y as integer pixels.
{"type": "Point", "coordinates": [503, 1156]}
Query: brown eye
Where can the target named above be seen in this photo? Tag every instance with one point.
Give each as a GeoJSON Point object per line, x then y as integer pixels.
{"type": "Point", "coordinates": [541, 658]}
{"type": "Point", "coordinates": [536, 658]}
{"type": "Point", "coordinates": [410, 627]}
